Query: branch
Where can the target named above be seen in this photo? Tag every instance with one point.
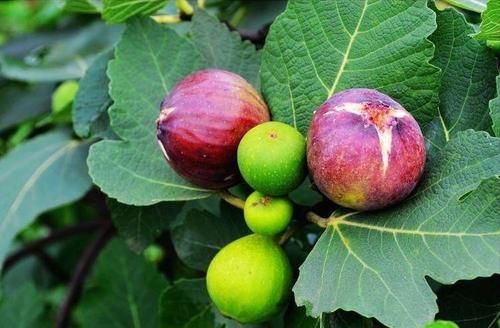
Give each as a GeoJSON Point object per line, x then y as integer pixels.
{"type": "Point", "coordinates": [318, 220]}
{"type": "Point", "coordinates": [290, 231]}
{"type": "Point", "coordinates": [331, 220]}
{"type": "Point", "coordinates": [56, 236]}
{"type": "Point", "coordinates": [82, 270]}
{"type": "Point", "coordinates": [231, 199]}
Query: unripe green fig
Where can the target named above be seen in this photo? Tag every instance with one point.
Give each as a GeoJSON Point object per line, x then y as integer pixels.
{"type": "Point", "coordinates": [250, 279]}
{"type": "Point", "coordinates": [441, 324]}
{"type": "Point", "coordinates": [267, 215]}
{"type": "Point", "coordinates": [271, 158]}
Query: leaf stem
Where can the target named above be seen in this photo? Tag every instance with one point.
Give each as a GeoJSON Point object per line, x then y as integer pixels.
{"type": "Point", "coordinates": [184, 6]}
{"type": "Point", "coordinates": [231, 199]}
{"type": "Point", "coordinates": [317, 220]}
{"type": "Point", "coordinates": [289, 232]}
{"type": "Point", "coordinates": [166, 19]}
{"type": "Point", "coordinates": [325, 222]}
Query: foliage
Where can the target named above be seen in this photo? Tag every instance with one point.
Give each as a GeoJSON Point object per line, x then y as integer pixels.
{"type": "Point", "coordinates": [102, 68]}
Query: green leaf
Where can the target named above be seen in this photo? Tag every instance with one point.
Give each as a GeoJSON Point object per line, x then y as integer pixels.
{"type": "Point", "coordinates": [63, 96]}
{"type": "Point", "coordinates": [477, 6]}
{"type": "Point", "coordinates": [83, 6]}
{"type": "Point", "coordinates": [67, 59]}
{"type": "Point", "coordinates": [139, 226]}
{"type": "Point", "coordinates": [124, 292]}
{"type": "Point", "coordinates": [471, 304]}
{"type": "Point", "coordinates": [92, 99]}
{"type": "Point", "coordinates": [22, 309]}
{"type": "Point", "coordinates": [495, 110]}
{"type": "Point", "coordinates": [490, 24]}
{"type": "Point", "coordinates": [467, 79]}
{"type": "Point", "coordinates": [133, 171]}
{"type": "Point", "coordinates": [201, 235]}
{"type": "Point", "coordinates": [184, 303]}
{"type": "Point", "coordinates": [224, 49]}
{"type": "Point", "coordinates": [317, 48]}
{"type": "Point", "coordinates": [21, 103]}
{"type": "Point", "coordinates": [117, 11]}
{"type": "Point", "coordinates": [43, 173]}
{"type": "Point", "coordinates": [376, 263]}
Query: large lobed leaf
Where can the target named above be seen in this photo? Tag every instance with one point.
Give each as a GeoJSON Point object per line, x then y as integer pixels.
{"type": "Point", "coordinates": [116, 11]}
{"type": "Point", "coordinates": [376, 263]}
{"type": "Point", "coordinates": [490, 24]}
{"type": "Point", "coordinates": [140, 225]}
{"type": "Point", "coordinates": [467, 79]}
{"type": "Point", "coordinates": [317, 48]}
{"type": "Point", "coordinates": [149, 60]}
{"type": "Point", "coordinates": [41, 174]}
{"type": "Point", "coordinates": [224, 49]}
{"type": "Point", "coordinates": [200, 235]}
{"type": "Point", "coordinates": [124, 292]}
{"type": "Point", "coordinates": [495, 110]}
{"type": "Point", "coordinates": [186, 304]}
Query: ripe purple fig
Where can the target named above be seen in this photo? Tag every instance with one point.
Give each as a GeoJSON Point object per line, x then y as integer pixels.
{"type": "Point", "coordinates": [364, 150]}
{"type": "Point", "coordinates": [201, 123]}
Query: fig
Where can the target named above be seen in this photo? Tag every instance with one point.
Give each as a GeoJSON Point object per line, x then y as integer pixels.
{"type": "Point", "coordinates": [250, 279]}
{"type": "Point", "coordinates": [267, 215]}
{"type": "Point", "coordinates": [272, 158]}
{"type": "Point", "coordinates": [201, 123]}
{"type": "Point", "coordinates": [364, 150]}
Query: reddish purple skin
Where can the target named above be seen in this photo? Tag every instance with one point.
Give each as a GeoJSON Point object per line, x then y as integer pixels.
{"type": "Point", "coordinates": [344, 151]}
{"type": "Point", "coordinates": [212, 110]}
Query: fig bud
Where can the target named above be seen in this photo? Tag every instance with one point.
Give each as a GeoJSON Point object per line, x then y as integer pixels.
{"type": "Point", "coordinates": [364, 150]}
{"type": "Point", "coordinates": [201, 123]}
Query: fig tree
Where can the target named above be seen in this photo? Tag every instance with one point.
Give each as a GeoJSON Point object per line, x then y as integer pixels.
{"type": "Point", "coordinates": [271, 158]}
{"type": "Point", "coordinates": [201, 123]}
{"type": "Point", "coordinates": [250, 279]}
{"type": "Point", "coordinates": [364, 150]}
{"type": "Point", "coordinates": [267, 215]}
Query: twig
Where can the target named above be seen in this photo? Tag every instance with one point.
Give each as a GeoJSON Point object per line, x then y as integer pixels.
{"type": "Point", "coordinates": [167, 19]}
{"type": "Point", "coordinates": [331, 220]}
{"type": "Point", "coordinates": [231, 199]}
{"type": "Point", "coordinates": [184, 7]}
{"type": "Point", "coordinates": [318, 220]}
{"type": "Point", "coordinates": [290, 231]}
{"type": "Point", "coordinates": [56, 236]}
{"type": "Point", "coordinates": [83, 268]}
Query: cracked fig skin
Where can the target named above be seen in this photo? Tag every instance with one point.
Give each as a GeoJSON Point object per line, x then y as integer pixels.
{"type": "Point", "coordinates": [201, 123]}
{"type": "Point", "coordinates": [364, 150]}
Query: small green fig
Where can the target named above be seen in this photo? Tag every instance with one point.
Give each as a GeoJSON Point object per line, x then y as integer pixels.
{"type": "Point", "coordinates": [267, 215]}
{"type": "Point", "coordinates": [271, 158]}
{"type": "Point", "coordinates": [250, 279]}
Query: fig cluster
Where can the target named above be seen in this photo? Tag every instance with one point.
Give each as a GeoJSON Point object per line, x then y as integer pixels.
{"type": "Point", "coordinates": [363, 151]}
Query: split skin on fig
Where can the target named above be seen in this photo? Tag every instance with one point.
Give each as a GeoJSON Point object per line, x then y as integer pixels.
{"type": "Point", "coordinates": [364, 150]}
{"type": "Point", "coordinates": [201, 123]}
